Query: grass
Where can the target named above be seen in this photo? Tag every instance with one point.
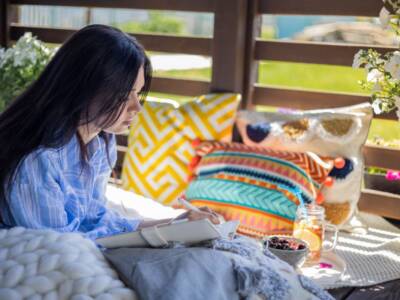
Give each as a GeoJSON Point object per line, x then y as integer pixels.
{"type": "Point", "coordinates": [302, 76]}
{"type": "Point", "coordinates": [311, 76]}
{"type": "Point", "coordinates": [178, 98]}
{"type": "Point", "coordinates": [385, 129]}
{"type": "Point", "coordinates": [202, 74]}
{"type": "Point", "coordinates": [293, 75]}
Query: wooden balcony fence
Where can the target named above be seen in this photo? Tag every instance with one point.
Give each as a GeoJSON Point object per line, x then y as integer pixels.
{"type": "Point", "coordinates": [236, 50]}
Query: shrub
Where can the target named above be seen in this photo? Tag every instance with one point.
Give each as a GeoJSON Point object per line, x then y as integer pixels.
{"type": "Point", "coordinates": [20, 65]}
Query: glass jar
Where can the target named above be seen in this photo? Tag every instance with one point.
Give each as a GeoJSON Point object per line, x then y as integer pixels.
{"type": "Point", "coordinates": [310, 225]}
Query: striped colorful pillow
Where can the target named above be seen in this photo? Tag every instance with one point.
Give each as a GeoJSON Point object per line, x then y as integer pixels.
{"type": "Point", "coordinates": [260, 187]}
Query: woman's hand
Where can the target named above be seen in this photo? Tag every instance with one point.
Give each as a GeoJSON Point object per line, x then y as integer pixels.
{"type": "Point", "coordinates": [191, 215]}
{"type": "Point", "coordinates": [204, 213]}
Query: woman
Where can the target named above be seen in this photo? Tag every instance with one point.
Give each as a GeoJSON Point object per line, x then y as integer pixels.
{"type": "Point", "coordinates": [57, 138]}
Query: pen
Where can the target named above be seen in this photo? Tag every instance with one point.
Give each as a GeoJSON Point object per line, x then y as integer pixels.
{"type": "Point", "coordinates": [188, 205]}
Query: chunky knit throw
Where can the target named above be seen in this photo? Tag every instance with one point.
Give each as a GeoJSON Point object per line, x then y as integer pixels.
{"type": "Point", "coordinates": [44, 264]}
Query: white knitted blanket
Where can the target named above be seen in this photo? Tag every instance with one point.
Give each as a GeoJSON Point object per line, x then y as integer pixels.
{"type": "Point", "coordinates": [371, 257]}
{"type": "Point", "coordinates": [44, 264]}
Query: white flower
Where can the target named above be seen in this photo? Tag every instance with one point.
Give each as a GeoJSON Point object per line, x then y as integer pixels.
{"type": "Point", "coordinates": [31, 55]}
{"type": "Point", "coordinates": [357, 62]}
{"type": "Point", "coordinates": [45, 50]}
{"type": "Point", "coordinates": [18, 59]}
{"type": "Point", "coordinates": [384, 17]}
{"type": "Point", "coordinates": [393, 65]}
{"type": "Point", "coordinates": [374, 76]}
{"type": "Point", "coordinates": [376, 106]}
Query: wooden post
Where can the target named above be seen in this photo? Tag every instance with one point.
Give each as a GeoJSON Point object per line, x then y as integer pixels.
{"type": "Point", "coordinates": [14, 14]}
{"type": "Point", "coordinates": [253, 31]}
{"type": "Point", "coordinates": [4, 26]}
{"type": "Point", "coordinates": [228, 46]}
{"type": "Point", "coordinates": [88, 15]}
{"type": "Point", "coordinates": [8, 14]}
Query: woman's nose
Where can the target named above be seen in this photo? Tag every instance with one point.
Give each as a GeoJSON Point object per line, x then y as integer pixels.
{"type": "Point", "coordinates": [134, 105]}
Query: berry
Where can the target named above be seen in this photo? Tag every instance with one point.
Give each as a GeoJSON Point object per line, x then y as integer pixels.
{"type": "Point", "coordinates": [282, 243]}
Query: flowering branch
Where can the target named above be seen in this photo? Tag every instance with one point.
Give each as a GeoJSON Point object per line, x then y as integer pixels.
{"type": "Point", "coordinates": [383, 71]}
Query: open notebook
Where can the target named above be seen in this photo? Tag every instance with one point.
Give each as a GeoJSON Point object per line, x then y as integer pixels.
{"type": "Point", "coordinates": [187, 232]}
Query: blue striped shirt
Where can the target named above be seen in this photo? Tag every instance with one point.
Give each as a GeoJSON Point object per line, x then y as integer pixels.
{"type": "Point", "coordinates": [52, 190]}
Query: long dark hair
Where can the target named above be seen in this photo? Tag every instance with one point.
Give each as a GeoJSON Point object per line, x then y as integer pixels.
{"type": "Point", "coordinates": [89, 79]}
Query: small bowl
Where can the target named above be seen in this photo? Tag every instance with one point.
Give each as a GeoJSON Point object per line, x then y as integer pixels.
{"type": "Point", "coordinates": [295, 258]}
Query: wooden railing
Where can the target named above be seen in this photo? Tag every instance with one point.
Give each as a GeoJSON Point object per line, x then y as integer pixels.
{"type": "Point", "coordinates": [236, 49]}
{"type": "Point", "coordinates": [225, 47]}
{"type": "Point", "coordinates": [318, 53]}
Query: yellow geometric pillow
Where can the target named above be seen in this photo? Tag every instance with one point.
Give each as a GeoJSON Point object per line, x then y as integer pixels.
{"type": "Point", "coordinates": [159, 144]}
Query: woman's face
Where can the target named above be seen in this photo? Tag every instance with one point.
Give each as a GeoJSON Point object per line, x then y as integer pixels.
{"type": "Point", "coordinates": [131, 108]}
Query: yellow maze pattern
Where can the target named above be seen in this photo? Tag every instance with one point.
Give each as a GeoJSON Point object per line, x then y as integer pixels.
{"type": "Point", "coordinates": [159, 145]}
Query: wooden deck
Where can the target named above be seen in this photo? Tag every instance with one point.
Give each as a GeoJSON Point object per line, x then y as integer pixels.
{"type": "Point", "coordinates": [386, 291]}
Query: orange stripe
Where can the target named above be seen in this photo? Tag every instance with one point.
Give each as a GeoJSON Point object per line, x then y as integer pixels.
{"type": "Point", "coordinates": [262, 165]}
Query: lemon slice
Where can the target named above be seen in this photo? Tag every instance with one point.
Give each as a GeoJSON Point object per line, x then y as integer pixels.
{"type": "Point", "coordinates": [313, 240]}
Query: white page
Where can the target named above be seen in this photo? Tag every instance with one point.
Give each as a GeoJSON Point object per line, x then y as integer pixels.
{"type": "Point", "coordinates": [227, 229]}
{"type": "Point", "coordinates": [188, 232]}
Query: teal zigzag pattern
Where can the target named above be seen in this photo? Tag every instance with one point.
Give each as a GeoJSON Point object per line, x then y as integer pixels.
{"type": "Point", "coordinates": [242, 194]}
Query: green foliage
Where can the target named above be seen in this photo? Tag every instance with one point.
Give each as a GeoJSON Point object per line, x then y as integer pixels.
{"type": "Point", "coordinates": [157, 22]}
{"type": "Point", "coordinates": [375, 170]}
{"type": "Point", "coordinates": [20, 66]}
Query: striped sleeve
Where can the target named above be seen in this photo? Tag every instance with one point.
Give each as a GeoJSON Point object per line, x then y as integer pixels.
{"type": "Point", "coordinates": [36, 199]}
{"type": "Point", "coordinates": [100, 221]}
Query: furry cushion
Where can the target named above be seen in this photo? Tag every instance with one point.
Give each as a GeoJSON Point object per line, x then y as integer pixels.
{"type": "Point", "coordinates": [44, 264]}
